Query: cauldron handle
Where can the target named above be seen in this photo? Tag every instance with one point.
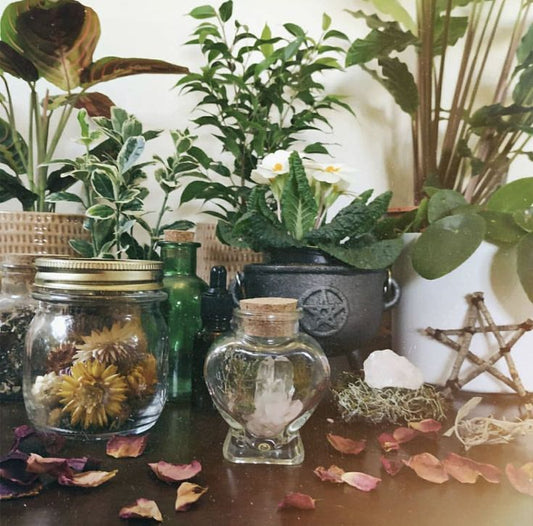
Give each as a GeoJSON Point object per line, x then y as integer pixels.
{"type": "Point", "coordinates": [391, 292]}
{"type": "Point", "coordinates": [236, 288]}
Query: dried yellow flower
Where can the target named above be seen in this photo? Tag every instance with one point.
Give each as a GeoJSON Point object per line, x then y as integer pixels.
{"type": "Point", "coordinates": [92, 393]}
{"type": "Point", "coordinates": [123, 344]}
{"type": "Point", "coordinates": [143, 377]}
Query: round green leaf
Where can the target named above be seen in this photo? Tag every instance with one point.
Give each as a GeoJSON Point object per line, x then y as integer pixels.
{"type": "Point", "coordinates": [442, 203]}
{"type": "Point", "coordinates": [517, 195]}
{"type": "Point", "coordinates": [501, 227]}
{"type": "Point", "coordinates": [524, 218]}
{"type": "Point", "coordinates": [524, 263]}
{"type": "Point", "coordinates": [446, 244]}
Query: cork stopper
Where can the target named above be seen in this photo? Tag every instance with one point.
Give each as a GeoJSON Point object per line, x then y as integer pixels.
{"type": "Point", "coordinates": [178, 236]}
{"type": "Point", "coordinates": [269, 317]}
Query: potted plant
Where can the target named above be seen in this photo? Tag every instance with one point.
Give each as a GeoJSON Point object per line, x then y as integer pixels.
{"type": "Point", "coordinates": [334, 263]}
{"type": "Point", "coordinates": [258, 93]}
{"type": "Point", "coordinates": [53, 41]}
{"type": "Point", "coordinates": [463, 146]}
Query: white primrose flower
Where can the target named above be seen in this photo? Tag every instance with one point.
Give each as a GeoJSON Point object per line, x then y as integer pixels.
{"type": "Point", "coordinates": [271, 166]}
{"type": "Point", "coordinates": [338, 175]}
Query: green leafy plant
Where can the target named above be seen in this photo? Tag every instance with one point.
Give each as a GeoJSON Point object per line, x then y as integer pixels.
{"type": "Point", "coordinates": [113, 186]}
{"type": "Point", "coordinates": [257, 94]}
{"type": "Point", "coordinates": [291, 210]}
{"type": "Point", "coordinates": [52, 41]}
{"type": "Point", "coordinates": [466, 143]}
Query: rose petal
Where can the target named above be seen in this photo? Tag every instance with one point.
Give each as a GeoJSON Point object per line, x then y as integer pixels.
{"type": "Point", "coordinates": [466, 470]}
{"type": "Point", "coordinates": [188, 493]}
{"type": "Point", "coordinates": [175, 472]}
{"type": "Point", "coordinates": [427, 467]}
{"type": "Point", "coordinates": [332, 474]}
{"type": "Point", "coordinates": [521, 478]}
{"type": "Point", "coordinates": [391, 465]}
{"type": "Point", "coordinates": [428, 425]}
{"type": "Point", "coordinates": [126, 446]}
{"type": "Point", "coordinates": [87, 479]}
{"type": "Point", "coordinates": [12, 490]}
{"type": "Point", "coordinates": [404, 434]}
{"type": "Point", "coordinates": [361, 481]}
{"type": "Point", "coordinates": [13, 468]}
{"type": "Point", "coordinates": [30, 440]}
{"type": "Point", "coordinates": [141, 509]}
{"type": "Point", "coordinates": [50, 465]}
{"type": "Point", "coordinates": [346, 445]}
{"type": "Point", "coordinates": [300, 501]}
{"type": "Point", "coordinates": [387, 442]}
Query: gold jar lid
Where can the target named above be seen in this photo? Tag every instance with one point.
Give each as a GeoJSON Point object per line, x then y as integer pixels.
{"type": "Point", "coordinates": [98, 274]}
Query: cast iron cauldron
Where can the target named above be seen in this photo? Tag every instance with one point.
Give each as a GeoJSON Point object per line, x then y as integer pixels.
{"type": "Point", "coordinates": [342, 306]}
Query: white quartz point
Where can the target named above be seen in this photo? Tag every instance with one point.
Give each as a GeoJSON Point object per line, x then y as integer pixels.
{"type": "Point", "coordinates": [386, 369]}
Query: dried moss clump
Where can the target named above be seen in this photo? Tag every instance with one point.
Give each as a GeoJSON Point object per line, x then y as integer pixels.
{"type": "Point", "coordinates": [356, 400]}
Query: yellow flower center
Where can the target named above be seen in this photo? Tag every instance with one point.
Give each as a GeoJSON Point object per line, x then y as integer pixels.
{"type": "Point", "coordinates": [332, 169]}
{"type": "Point", "coordinates": [277, 167]}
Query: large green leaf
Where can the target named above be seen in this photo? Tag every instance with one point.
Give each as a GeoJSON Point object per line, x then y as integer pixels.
{"type": "Point", "coordinates": [442, 203]}
{"type": "Point", "coordinates": [298, 206]}
{"type": "Point", "coordinates": [395, 9]}
{"type": "Point", "coordinates": [525, 264]}
{"type": "Point", "coordinates": [15, 64]}
{"type": "Point", "coordinates": [516, 195]}
{"type": "Point", "coordinates": [400, 83]}
{"type": "Point", "coordinates": [446, 244]}
{"type": "Point", "coordinates": [59, 38]}
{"type": "Point", "coordinates": [9, 154]}
{"type": "Point", "coordinates": [12, 188]}
{"type": "Point", "coordinates": [131, 150]}
{"type": "Point", "coordinates": [501, 227]}
{"type": "Point", "coordinates": [109, 68]}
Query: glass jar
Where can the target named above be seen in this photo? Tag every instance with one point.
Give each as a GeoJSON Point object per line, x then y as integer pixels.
{"type": "Point", "coordinates": [266, 379]}
{"type": "Point", "coordinates": [17, 308]}
{"type": "Point", "coordinates": [97, 348]}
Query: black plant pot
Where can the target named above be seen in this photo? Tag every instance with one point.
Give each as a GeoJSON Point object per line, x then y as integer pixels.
{"type": "Point", "coordinates": [342, 306]}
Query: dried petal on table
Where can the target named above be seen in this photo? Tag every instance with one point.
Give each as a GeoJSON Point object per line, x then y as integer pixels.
{"type": "Point", "coordinates": [300, 501]}
{"type": "Point", "coordinates": [388, 442]}
{"type": "Point", "coordinates": [29, 439]}
{"type": "Point", "coordinates": [175, 472]}
{"type": "Point", "coordinates": [141, 509]}
{"type": "Point", "coordinates": [332, 474]}
{"type": "Point", "coordinates": [13, 469]}
{"type": "Point", "coordinates": [188, 493]}
{"type": "Point", "coordinates": [428, 425]}
{"type": "Point", "coordinates": [346, 445]}
{"type": "Point", "coordinates": [391, 465]}
{"type": "Point", "coordinates": [521, 478]}
{"type": "Point", "coordinates": [467, 471]}
{"type": "Point", "coordinates": [12, 490]}
{"type": "Point", "coordinates": [87, 479]}
{"type": "Point", "coordinates": [427, 467]}
{"type": "Point", "coordinates": [404, 434]}
{"type": "Point", "coordinates": [131, 446]}
{"type": "Point", "coordinates": [361, 481]}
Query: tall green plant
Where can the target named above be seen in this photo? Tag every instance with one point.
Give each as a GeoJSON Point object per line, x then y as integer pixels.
{"type": "Point", "coordinates": [469, 143]}
{"type": "Point", "coordinates": [257, 94]}
{"type": "Point", "coordinates": [52, 40]}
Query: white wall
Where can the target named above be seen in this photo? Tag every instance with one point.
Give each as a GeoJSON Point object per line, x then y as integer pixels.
{"type": "Point", "coordinates": [376, 143]}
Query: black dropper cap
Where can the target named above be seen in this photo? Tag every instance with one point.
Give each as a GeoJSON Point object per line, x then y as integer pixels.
{"type": "Point", "coordinates": [216, 302]}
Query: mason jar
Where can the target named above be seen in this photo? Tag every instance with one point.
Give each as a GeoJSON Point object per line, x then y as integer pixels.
{"type": "Point", "coordinates": [97, 349]}
{"type": "Point", "coordinates": [266, 379]}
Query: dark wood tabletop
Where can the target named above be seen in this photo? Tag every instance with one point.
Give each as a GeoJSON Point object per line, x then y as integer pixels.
{"type": "Point", "coordinates": [249, 494]}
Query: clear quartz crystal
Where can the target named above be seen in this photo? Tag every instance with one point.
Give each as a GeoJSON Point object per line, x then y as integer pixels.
{"type": "Point", "coordinates": [266, 379]}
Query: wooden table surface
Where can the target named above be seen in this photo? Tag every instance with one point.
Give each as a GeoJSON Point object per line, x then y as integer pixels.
{"type": "Point", "coordinates": [248, 494]}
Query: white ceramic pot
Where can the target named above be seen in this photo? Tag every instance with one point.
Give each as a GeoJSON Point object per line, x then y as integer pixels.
{"type": "Point", "coordinates": [442, 304]}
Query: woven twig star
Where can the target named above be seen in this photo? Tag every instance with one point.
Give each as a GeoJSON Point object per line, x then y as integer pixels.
{"type": "Point", "coordinates": [479, 320]}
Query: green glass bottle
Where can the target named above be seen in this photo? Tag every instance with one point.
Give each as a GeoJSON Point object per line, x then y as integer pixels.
{"type": "Point", "coordinates": [182, 309]}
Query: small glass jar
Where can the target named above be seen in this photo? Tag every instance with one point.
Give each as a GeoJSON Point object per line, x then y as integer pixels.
{"type": "Point", "coordinates": [97, 349]}
{"type": "Point", "coordinates": [266, 379]}
{"type": "Point", "coordinates": [17, 308]}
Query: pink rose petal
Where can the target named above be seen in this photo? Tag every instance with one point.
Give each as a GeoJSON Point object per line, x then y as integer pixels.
{"type": "Point", "coordinates": [387, 442]}
{"type": "Point", "coordinates": [49, 465]}
{"type": "Point", "coordinates": [521, 478]}
{"type": "Point", "coordinates": [361, 481]}
{"type": "Point", "coordinates": [346, 445]}
{"type": "Point", "coordinates": [175, 472]}
{"type": "Point", "coordinates": [404, 434]}
{"type": "Point", "coordinates": [427, 467]}
{"type": "Point", "coordinates": [300, 501]}
{"type": "Point", "coordinates": [467, 471]}
{"type": "Point", "coordinates": [332, 474]}
{"type": "Point", "coordinates": [87, 479]}
{"type": "Point", "coordinates": [391, 465]}
{"type": "Point", "coordinates": [428, 425]}
{"type": "Point", "coordinates": [188, 493]}
{"type": "Point", "coordinates": [12, 490]}
{"type": "Point", "coordinates": [126, 446]}
{"type": "Point", "coordinates": [141, 509]}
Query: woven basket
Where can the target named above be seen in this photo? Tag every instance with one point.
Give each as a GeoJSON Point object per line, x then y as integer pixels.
{"type": "Point", "coordinates": [213, 252]}
{"type": "Point", "coordinates": [39, 233]}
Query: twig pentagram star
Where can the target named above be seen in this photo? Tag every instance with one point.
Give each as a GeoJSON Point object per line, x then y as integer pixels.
{"type": "Point", "coordinates": [478, 321]}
